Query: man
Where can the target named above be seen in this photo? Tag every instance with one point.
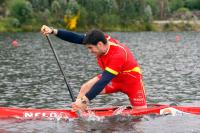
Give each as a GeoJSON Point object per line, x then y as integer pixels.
{"type": "Point", "coordinates": [121, 72]}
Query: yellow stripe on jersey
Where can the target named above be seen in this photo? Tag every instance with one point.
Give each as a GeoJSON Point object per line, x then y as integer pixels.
{"type": "Point", "coordinates": [135, 69]}
{"type": "Point", "coordinates": [111, 71]}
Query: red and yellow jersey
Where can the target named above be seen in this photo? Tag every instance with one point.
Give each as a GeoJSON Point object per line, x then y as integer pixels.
{"type": "Point", "coordinates": [118, 60]}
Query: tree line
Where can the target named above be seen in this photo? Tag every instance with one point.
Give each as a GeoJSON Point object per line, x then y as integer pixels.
{"type": "Point", "coordinates": [134, 15]}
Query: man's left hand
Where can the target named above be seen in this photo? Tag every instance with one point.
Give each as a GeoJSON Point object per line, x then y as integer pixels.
{"type": "Point", "coordinates": [80, 104]}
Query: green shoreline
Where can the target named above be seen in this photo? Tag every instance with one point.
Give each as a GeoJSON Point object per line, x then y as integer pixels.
{"type": "Point", "coordinates": [157, 26]}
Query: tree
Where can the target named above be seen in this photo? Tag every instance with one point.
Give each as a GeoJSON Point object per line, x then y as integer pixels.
{"type": "Point", "coordinates": [41, 5]}
{"type": "Point", "coordinates": [55, 7]}
{"type": "Point", "coordinates": [175, 4]}
{"type": "Point", "coordinates": [163, 8]}
{"type": "Point", "coordinates": [193, 4]}
{"type": "Point", "coordinates": [22, 10]}
{"type": "Point", "coordinates": [2, 7]}
{"type": "Point", "coordinates": [148, 13]}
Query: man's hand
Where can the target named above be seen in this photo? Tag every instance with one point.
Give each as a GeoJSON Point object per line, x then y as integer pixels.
{"type": "Point", "coordinates": [80, 104]}
{"type": "Point", "coordinates": [45, 30]}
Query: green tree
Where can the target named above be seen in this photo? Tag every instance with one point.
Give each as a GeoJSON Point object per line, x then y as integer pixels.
{"type": "Point", "coordinates": [41, 5]}
{"type": "Point", "coordinates": [63, 2]}
{"type": "Point", "coordinates": [193, 4]}
{"type": "Point", "coordinates": [163, 8]}
{"type": "Point", "coordinates": [2, 7]}
{"type": "Point", "coordinates": [154, 7]}
{"type": "Point", "coordinates": [83, 20]}
{"type": "Point", "coordinates": [72, 7]}
{"type": "Point", "coordinates": [22, 10]}
{"type": "Point", "coordinates": [108, 21]}
{"type": "Point", "coordinates": [2, 1]}
{"type": "Point", "coordinates": [55, 7]}
{"type": "Point", "coordinates": [148, 16]}
{"type": "Point", "coordinates": [175, 4]}
{"type": "Point", "coordinates": [127, 11]}
{"type": "Point", "coordinates": [97, 8]}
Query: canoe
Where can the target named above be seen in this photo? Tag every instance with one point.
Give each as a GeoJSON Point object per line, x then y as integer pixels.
{"type": "Point", "coordinates": [31, 113]}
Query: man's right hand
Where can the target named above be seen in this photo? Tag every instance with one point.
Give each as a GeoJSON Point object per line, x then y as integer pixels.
{"type": "Point", "coordinates": [80, 104]}
{"type": "Point", "coordinates": [45, 30]}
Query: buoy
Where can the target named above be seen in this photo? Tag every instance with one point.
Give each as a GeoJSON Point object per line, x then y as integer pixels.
{"type": "Point", "coordinates": [15, 43]}
{"type": "Point", "coordinates": [178, 38]}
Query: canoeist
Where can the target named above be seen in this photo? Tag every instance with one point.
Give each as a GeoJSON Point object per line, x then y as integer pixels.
{"type": "Point", "coordinates": [120, 70]}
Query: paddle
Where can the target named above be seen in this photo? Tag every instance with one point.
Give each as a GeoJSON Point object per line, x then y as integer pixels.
{"type": "Point", "coordinates": [61, 69]}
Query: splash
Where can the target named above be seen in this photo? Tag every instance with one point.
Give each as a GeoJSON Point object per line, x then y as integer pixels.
{"type": "Point", "coordinates": [171, 111]}
{"type": "Point", "coordinates": [90, 116]}
{"type": "Point", "coordinates": [119, 111]}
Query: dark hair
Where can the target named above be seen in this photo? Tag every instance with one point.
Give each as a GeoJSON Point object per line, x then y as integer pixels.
{"type": "Point", "coordinates": [94, 36]}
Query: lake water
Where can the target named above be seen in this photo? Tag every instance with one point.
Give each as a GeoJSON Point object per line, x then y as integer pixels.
{"type": "Point", "coordinates": [30, 77]}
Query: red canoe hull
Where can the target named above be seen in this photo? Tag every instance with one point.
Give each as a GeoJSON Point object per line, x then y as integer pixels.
{"type": "Point", "coordinates": [29, 113]}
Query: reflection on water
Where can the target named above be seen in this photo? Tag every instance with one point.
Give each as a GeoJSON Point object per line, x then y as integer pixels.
{"type": "Point", "coordinates": [30, 77]}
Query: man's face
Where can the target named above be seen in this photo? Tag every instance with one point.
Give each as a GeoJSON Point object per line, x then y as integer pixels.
{"type": "Point", "coordinates": [97, 50]}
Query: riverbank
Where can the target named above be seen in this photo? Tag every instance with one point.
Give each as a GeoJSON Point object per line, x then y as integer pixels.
{"type": "Point", "coordinates": [177, 25]}
{"type": "Point", "coordinates": [157, 26]}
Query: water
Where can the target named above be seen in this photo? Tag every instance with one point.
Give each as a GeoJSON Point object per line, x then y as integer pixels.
{"type": "Point", "coordinates": [30, 77]}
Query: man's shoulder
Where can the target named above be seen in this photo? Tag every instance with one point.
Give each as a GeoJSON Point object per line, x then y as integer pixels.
{"type": "Point", "coordinates": [111, 39]}
{"type": "Point", "coordinates": [117, 47]}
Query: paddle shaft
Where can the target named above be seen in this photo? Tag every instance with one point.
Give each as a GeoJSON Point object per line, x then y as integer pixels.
{"type": "Point", "coordinates": [61, 69]}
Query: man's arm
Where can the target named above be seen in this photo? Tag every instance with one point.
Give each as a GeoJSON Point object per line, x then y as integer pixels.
{"type": "Point", "coordinates": [70, 36]}
{"type": "Point", "coordinates": [83, 99]}
{"type": "Point", "coordinates": [100, 85]}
